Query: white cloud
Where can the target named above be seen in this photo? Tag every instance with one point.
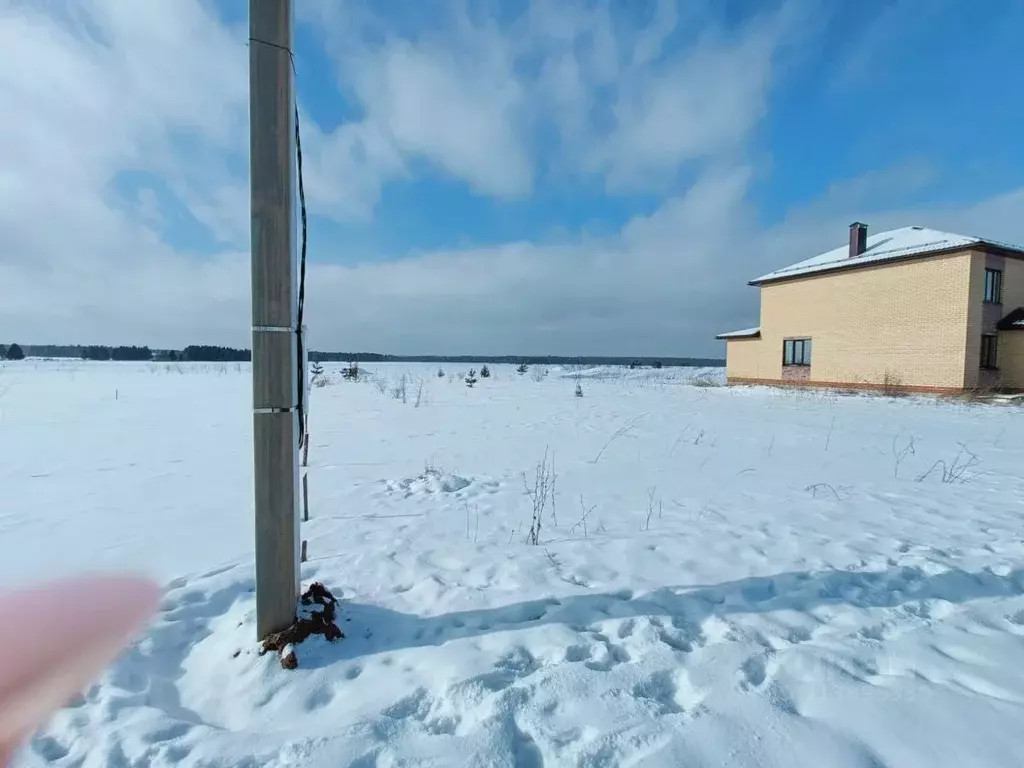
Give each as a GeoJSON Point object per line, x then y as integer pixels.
{"type": "Point", "coordinates": [97, 90]}
{"type": "Point", "coordinates": [453, 109]}
{"type": "Point", "coordinates": [344, 171]}
{"type": "Point", "coordinates": [482, 103]}
{"type": "Point", "coordinates": [108, 87]}
{"type": "Point", "coordinates": [663, 286]}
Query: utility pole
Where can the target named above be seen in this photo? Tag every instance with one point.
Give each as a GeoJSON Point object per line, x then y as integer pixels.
{"type": "Point", "coordinates": [274, 313]}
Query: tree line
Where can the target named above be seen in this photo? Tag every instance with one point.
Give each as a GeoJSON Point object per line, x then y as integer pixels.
{"type": "Point", "coordinates": [103, 352]}
{"type": "Point", "coordinates": [207, 353]}
{"type": "Point", "coordinates": [204, 353]}
{"type": "Point", "coordinates": [12, 352]}
{"type": "Point", "coordinates": [635, 362]}
{"type": "Point", "coordinates": [97, 352]}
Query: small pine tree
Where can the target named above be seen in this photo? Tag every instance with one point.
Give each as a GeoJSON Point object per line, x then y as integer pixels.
{"type": "Point", "coordinates": [471, 378]}
{"type": "Point", "coordinates": [440, 373]}
{"type": "Point", "coordinates": [657, 363]}
{"type": "Point", "coordinates": [579, 389]}
{"type": "Point", "coordinates": [485, 372]}
{"type": "Point", "coordinates": [14, 352]}
{"type": "Point", "coordinates": [351, 373]}
{"type": "Point", "coordinates": [523, 368]}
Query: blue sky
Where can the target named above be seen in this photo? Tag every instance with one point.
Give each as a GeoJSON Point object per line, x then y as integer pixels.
{"type": "Point", "coordinates": [527, 176]}
{"type": "Point", "coordinates": [881, 85]}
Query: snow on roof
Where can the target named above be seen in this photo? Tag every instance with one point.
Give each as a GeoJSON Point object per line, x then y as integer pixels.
{"type": "Point", "coordinates": [1013, 321]}
{"type": "Point", "coordinates": [746, 333]}
{"type": "Point", "coordinates": [894, 244]}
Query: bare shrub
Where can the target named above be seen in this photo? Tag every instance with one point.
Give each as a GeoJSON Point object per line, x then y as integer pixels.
{"type": "Point", "coordinates": [705, 380]}
{"type": "Point", "coordinates": [817, 488]}
{"type": "Point", "coordinates": [892, 385]}
{"type": "Point", "coordinates": [400, 391]}
{"type": "Point", "coordinates": [540, 494]}
{"type": "Point", "coordinates": [650, 508]}
{"type": "Point", "coordinates": [956, 471]}
{"type": "Point", "coordinates": [620, 432]}
{"type": "Point", "coordinates": [419, 393]}
{"type": "Point", "coordinates": [679, 439]}
{"type": "Point", "coordinates": [322, 381]}
{"type": "Point", "coordinates": [974, 395]}
{"type": "Point", "coordinates": [539, 374]}
{"type": "Point", "coordinates": [476, 509]}
{"type": "Point", "coordinates": [582, 522]}
{"type": "Point", "coordinates": [380, 383]}
{"type": "Point", "coordinates": [900, 453]}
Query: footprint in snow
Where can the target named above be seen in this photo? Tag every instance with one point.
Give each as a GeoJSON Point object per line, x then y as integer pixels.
{"type": "Point", "coordinates": [605, 655]}
{"type": "Point", "coordinates": [353, 672]}
{"type": "Point", "coordinates": [659, 691]}
{"type": "Point", "coordinates": [671, 692]}
{"type": "Point", "coordinates": [577, 653]}
{"type": "Point", "coordinates": [49, 748]}
{"type": "Point", "coordinates": [169, 732]}
{"type": "Point", "coordinates": [318, 698]}
{"type": "Point", "coordinates": [756, 670]}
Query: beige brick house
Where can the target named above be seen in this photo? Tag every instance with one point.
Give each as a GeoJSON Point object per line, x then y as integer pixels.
{"type": "Point", "coordinates": [912, 308]}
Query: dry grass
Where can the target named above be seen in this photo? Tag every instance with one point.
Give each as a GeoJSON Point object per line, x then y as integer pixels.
{"type": "Point", "coordinates": [892, 386]}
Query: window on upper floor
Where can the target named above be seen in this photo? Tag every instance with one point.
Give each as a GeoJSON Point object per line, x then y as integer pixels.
{"type": "Point", "coordinates": [796, 352]}
{"type": "Point", "coordinates": [989, 352]}
{"type": "Point", "coordinates": [993, 286]}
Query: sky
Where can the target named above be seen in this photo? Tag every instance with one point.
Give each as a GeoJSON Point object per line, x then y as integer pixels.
{"type": "Point", "coordinates": [568, 177]}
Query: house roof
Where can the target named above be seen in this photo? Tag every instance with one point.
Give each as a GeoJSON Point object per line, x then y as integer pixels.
{"type": "Point", "coordinates": [884, 246]}
{"type": "Point", "coordinates": [1013, 321]}
{"type": "Point", "coordinates": [746, 333]}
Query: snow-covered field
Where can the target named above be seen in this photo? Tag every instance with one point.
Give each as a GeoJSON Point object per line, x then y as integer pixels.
{"type": "Point", "coordinates": [724, 577]}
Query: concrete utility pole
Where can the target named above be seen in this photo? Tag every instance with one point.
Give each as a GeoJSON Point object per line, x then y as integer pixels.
{"type": "Point", "coordinates": [274, 313]}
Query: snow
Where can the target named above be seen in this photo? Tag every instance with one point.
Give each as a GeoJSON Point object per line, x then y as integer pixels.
{"type": "Point", "coordinates": [745, 333]}
{"type": "Point", "coordinates": [884, 246]}
{"type": "Point", "coordinates": [729, 576]}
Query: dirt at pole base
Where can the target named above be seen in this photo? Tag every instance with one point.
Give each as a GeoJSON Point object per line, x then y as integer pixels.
{"type": "Point", "coordinates": [315, 616]}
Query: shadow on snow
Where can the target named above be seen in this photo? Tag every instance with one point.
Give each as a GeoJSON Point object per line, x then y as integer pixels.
{"type": "Point", "coordinates": [371, 629]}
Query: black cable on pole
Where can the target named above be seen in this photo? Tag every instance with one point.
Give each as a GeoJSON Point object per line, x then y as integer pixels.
{"type": "Point", "coordinates": [300, 342]}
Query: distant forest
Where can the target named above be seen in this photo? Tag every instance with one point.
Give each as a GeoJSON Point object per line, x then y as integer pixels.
{"type": "Point", "coordinates": [215, 354]}
{"type": "Point", "coordinates": [372, 357]}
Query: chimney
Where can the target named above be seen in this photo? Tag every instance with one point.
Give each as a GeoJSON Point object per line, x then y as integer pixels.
{"type": "Point", "coordinates": [858, 239]}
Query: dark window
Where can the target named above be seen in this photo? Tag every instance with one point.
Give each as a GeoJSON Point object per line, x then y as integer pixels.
{"type": "Point", "coordinates": [796, 352]}
{"type": "Point", "coordinates": [993, 286]}
{"type": "Point", "coordinates": [989, 352]}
